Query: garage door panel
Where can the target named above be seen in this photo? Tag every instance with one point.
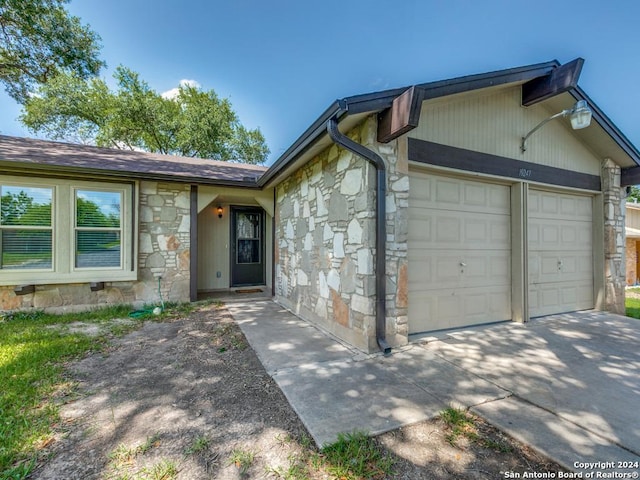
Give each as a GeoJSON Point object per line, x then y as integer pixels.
{"type": "Point", "coordinates": [560, 297]}
{"type": "Point", "coordinates": [484, 268]}
{"type": "Point", "coordinates": [552, 205]}
{"type": "Point", "coordinates": [568, 266]}
{"type": "Point", "coordinates": [560, 252]}
{"type": "Point", "coordinates": [446, 308]}
{"type": "Point", "coordinates": [432, 271]}
{"type": "Point", "coordinates": [435, 270]}
{"type": "Point", "coordinates": [446, 193]}
{"type": "Point", "coordinates": [546, 234]}
{"type": "Point", "coordinates": [437, 229]}
{"type": "Point", "coordinates": [459, 253]}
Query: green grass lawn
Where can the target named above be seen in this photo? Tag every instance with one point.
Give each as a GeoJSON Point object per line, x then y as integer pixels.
{"type": "Point", "coordinates": [32, 354]}
{"type": "Point", "coordinates": [633, 304]}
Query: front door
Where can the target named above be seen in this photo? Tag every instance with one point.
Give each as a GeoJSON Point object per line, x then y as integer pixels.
{"type": "Point", "coordinates": [247, 246]}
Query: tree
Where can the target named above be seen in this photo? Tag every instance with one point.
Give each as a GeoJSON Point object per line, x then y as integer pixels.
{"type": "Point", "coordinates": [634, 194]}
{"type": "Point", "coordinates": [13, 206]}
{"type": "Point", "coordinates": [192, 123]}
{"type": "Point", "coordinates": [39, 39]}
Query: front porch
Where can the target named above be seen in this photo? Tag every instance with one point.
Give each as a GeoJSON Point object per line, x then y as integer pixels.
{"type": "Point", "coordinates": [234, 241]}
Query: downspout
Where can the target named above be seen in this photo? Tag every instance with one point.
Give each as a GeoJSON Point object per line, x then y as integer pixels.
{"type": "Point", "coordinates": [381, 234]}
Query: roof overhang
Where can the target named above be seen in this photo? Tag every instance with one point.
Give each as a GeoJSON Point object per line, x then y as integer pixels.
{"type": "Point", "coordinates": [399, 112]}
{"type": "Point", "coordinates": [23, 156]}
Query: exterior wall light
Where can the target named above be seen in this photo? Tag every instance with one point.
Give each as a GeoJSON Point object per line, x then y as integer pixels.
{"type": "Point", "coordinates": [219, 210]}
{"type": "Point", "coordinates": [580, 116]}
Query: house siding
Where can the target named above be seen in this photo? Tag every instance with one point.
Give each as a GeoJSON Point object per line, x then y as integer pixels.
{"type": "Point", "coordinates": [494, 121]}
{"type": "Point", "coordinates": [632, 220]}
{"type": "Point", "coordinates": [163, 253]}
{"type": "Point", "coordinates": [632, 261]}
{"type": "Point", "coordinates": [325, 252]}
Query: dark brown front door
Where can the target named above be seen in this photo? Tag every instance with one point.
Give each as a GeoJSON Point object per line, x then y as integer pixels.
{"type": "Point", "coordinates": [247, 246]}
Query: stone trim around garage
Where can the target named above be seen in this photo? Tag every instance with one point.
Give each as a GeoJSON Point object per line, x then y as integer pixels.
{"type": "Point", "coordinates": [614, 238]}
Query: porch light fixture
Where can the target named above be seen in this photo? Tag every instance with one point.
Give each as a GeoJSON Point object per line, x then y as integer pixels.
{"type": "Point", "coordinates": [219, 210]}
{"type": "Point", "coordinates": [580, 116]}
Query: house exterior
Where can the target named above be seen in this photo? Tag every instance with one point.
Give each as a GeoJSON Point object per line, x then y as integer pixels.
{"type": "Point", "coordinates": [475, 228]}
{"type": "Point", "coordinates": [632, 234]}
{"type": "Point", "coordinates": [170, 235]}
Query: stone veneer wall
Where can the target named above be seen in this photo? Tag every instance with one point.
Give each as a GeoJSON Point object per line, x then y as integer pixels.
{"type": "Point", "coordinates": [164, 231]}
{"type": "Point", "coordinates": [632, 261]}
{"type": "Point", "coordinates": [614, 238]}
{"type": "Point", "coordinates": [325, 242]}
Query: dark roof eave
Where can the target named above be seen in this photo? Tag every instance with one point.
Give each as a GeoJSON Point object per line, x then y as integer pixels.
{"type": "Point", "coordinates": [11, 168]}
{"type": "Point", "coordinates": [378, 101]}
{"type": "Point", "coordinates": [467, 83]}
{"type": "Point", "coordinates": [301, 144]}
{"type": "Point", "coordinates": [608, 126]}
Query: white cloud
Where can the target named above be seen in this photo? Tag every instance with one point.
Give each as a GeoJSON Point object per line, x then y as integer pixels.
{"type": "Point", "coordinates": [185, 82]}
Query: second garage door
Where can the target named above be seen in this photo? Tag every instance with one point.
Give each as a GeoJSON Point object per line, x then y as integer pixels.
{"type": "Point", "coordinates": [560, 252]}
{"type": "Point", "coordinates": [459, 252]}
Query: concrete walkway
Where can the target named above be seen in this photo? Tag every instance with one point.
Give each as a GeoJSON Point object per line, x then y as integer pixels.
{"type": "Point", "coordinates": [568, 385]}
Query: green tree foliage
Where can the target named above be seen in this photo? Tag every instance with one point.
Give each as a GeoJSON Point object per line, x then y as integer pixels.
{"type": "Point", "coordinates": [193, 123]}
{"type": "Point", "coordinates": [39, 39]}
{"type": "Point", "coordinates": [13, 206]}
{"type": "Point", "coordinates": [634, 195]}
{"type": "Point", "coordinates": [89, 214]}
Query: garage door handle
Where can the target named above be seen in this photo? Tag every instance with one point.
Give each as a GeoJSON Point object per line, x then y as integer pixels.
{"type": "Point", "coordinates": [462, 264]}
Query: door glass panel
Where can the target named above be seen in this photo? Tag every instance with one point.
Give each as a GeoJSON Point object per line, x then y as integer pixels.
{"type": "Point", "coordinates": [248, 237]}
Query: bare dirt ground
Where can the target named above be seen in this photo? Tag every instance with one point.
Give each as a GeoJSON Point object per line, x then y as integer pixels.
{"type": "Point", "coordinates": [187, 398]}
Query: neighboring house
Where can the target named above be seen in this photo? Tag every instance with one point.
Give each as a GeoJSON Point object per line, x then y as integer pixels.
{"type": "Point", "coordinates": [475, 230]}
{"type": "Point", "coordinates": [632, 232]}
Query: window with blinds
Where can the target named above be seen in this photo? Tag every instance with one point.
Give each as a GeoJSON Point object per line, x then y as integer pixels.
{"type": "Point", "coordinates": [62, 230]}
{"type": "Point", "coordinates": [26, 227]}
{"type": "Point", "coordinates": [98, 234]}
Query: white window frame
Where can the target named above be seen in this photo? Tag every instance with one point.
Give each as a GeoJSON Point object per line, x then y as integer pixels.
{"type": "Point", "coordinates": [64, 235]}
{"type": "Point", "coordinates": [76, 228]}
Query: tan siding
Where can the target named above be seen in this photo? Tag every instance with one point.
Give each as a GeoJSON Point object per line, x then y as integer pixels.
{"type": "Point", "coordinates": [493, 122]}
{"type": "Point", "coordinates": [214, 233]}
{"type": "Point", "coordinates": [632, 218]}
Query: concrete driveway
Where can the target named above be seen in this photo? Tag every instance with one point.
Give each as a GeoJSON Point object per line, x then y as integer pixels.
{"type": "Point", "coordinates": [568, 385]}
{"type": "Point", "coordinates": [574, 380]}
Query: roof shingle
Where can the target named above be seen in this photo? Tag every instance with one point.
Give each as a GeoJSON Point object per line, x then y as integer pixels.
{"type": "Point", "coordinates": [43, 155]}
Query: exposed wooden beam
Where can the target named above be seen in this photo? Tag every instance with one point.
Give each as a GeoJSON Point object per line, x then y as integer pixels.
{"type": "Point", "coordinates": [630, 176]}
{"type": "Point", "coordinates": [560, 80]}
{"type": "Point", "coordinates": [431, 153]}
{"type": "Point", "coordinates": [402, 116]}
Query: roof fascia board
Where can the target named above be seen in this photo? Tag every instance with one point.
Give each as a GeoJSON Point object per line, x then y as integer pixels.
{"type": "Point", "coordinates": [607, 125]}
{"type": "Point", "coordinates": [378, 101]}
{"type": "Point", "coordinates": [484, 80]}
{"type": "Point", "coordinates": [10, 168]}
{"type": "Point", "coordinates": [371, 102]}
{"type": "Point", "coordinates": [303, 142]}
{"type": "Point", "coordinates": [403, 114]}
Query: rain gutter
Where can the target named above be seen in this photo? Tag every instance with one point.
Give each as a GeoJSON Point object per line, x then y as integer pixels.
{"type": "Point", "coordinates": [381, 247]}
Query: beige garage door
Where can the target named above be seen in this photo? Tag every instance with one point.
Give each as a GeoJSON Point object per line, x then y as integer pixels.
{"type": "Point", "coordinates": [560, 252]}
{"type": "Point", "coordinates": [459, 252]}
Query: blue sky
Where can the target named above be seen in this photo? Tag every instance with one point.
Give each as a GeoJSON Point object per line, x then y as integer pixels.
{"type": "Point", "coordinates": [283, 62]}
